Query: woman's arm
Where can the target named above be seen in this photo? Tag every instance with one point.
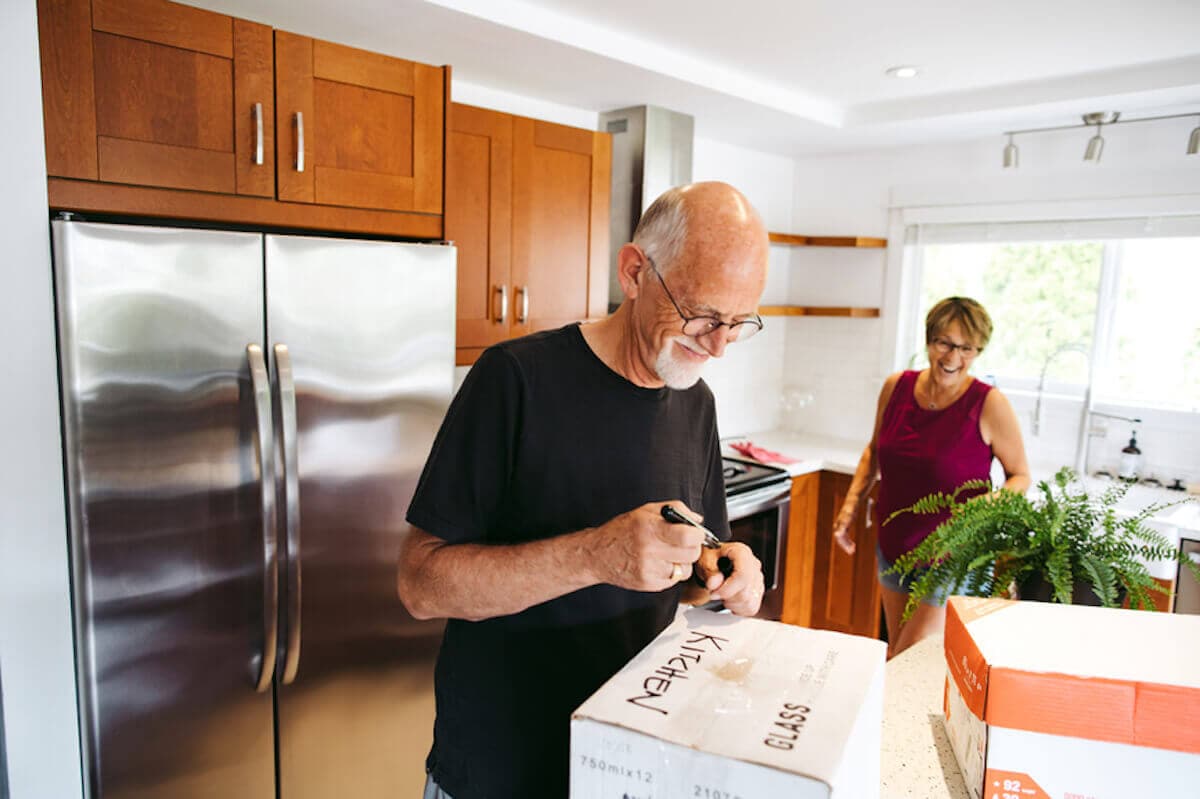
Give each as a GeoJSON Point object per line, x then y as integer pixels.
{"type": "Point", "coordinates": [864, 476]}
{"type": "Point", "coordinates": [1000, 429]}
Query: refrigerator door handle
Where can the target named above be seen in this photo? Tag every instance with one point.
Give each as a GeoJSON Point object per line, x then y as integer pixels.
{"type": "Point", "coordinates": [290, 481]}
{"type": "Point", "coordinates": [266, 462]}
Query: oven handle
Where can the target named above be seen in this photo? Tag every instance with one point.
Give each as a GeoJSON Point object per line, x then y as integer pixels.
{"type": "Point", "coordinates": [758, 500]}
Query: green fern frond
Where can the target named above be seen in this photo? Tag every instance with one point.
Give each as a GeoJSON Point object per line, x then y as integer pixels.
{"type": "Point", "coordinates": [1059, 533]}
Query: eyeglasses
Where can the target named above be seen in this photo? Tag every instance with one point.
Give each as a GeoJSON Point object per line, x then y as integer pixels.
{"type": "Point", "coordinates": [945, 346]}
{"type": "Point", "coordinates": [698, 326]}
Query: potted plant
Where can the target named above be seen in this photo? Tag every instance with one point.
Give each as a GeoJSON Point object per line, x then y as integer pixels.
{"type": "Point", "coordinates": [1076, 545]}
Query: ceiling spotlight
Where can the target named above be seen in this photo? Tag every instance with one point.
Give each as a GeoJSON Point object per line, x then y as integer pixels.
{"type": "Point", "coordinates": [1012, 157]}
{"type": "Point", "coordinates": [1095, 145]}
{"type": "Point", "coordinates": [902, 72]}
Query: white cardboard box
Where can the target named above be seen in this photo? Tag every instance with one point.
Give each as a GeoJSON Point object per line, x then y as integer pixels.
{"type": "Point", "coordinates": [721, 707]}
{"type": "Point", "coordinates": [1045, 700]}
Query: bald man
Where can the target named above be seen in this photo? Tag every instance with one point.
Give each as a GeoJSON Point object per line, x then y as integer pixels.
{"type": "Point", "coordinates": [537, 527]}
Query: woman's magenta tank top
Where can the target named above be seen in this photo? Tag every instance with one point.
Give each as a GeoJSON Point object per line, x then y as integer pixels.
{"type": "Point", "coordinates": [921, 451]}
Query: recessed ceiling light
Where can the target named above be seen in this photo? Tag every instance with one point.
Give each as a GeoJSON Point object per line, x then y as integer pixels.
{"type": "Point", "coordinates": [903, 72]}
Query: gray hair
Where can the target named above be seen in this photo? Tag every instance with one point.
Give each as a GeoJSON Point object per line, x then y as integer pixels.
{"type": "Point", "coordinates": [663, 229]}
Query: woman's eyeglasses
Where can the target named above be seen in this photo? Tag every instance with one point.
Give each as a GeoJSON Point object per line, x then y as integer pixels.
{"type": "Point", "coordinates": [945, 346]}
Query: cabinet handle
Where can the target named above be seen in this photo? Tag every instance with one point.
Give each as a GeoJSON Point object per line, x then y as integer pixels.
{"type": "Point", "coordinates": [870, 520]}
{"type": "Point", "coordinates": [503, 292]}
{"type": "Point", "coordinates": [523, 293]}
{"type": "Point", "coordinates": [299, 142]}
{"type": "Point", "coordinates": [258, 135]}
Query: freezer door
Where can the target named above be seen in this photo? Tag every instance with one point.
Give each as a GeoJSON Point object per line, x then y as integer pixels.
{"type": "Point", "coordinates": [166, 508]}
{"type": "Point", "coordinates": [367, 329]}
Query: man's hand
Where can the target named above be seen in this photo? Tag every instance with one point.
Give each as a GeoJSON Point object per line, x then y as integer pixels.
{"type": "Point", "coordinates": [742, 591]}
{"type": "Point", "coordinates": [642, 551]}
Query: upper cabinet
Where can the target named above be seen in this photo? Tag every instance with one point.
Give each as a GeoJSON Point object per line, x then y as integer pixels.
{"type": "Point", "coordinates": [479, 222]}
{"type": "Point", "coordinates": [165, 97]}
{"type": "Point", "coordinates": [357, 128]}
{"type": "Point", "coordinates": [157, 94]}
{"type": "Point", "coordinates": [561, 185]}
{"type": "Point", "coordinates": [527, 205]}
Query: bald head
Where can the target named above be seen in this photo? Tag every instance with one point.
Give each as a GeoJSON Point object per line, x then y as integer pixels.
{"type": "Point", "coordinates": [688, 225]}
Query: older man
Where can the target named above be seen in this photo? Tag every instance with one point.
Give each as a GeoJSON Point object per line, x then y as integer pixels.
{"type": "Point", "coordinates": [537, 525]}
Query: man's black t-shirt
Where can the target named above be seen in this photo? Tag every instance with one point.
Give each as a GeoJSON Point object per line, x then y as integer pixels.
{"type": "Point", "coordinates": [544, 439]}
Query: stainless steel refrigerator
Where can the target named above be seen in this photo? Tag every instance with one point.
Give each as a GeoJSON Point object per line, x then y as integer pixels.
{"type": "Point", "coordinates": [245, 419]}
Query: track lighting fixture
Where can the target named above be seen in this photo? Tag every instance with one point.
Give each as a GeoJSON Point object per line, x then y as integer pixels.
{"type": "Point", "coordinates": [1095, 145]}
{"type": "Point", "coordinates": [1011, 156]}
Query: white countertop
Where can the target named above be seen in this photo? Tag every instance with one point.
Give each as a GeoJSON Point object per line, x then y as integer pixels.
{"type": "Point", "coordinates": [813, 453]}
{"type": "Point", "coordinates": [916, 759]}
{"type": "Point", "coordinates": [824, 453]}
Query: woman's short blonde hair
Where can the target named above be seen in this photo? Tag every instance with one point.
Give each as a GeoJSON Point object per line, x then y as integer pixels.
{"type": "Point", "coordinates": [975, 322]}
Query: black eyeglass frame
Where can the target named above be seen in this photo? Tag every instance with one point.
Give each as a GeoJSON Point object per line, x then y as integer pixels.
{"type": "Point", "coordinates": [748, 327]}
{"type": "Point", "coordinates": [945, 346]}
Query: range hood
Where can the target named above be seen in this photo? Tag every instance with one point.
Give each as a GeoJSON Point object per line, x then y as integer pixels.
{"type": "Point", "coordinates": [651, 152]}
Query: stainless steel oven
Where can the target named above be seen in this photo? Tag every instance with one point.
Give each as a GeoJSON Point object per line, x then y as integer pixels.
{"type": "Point", "coordinates": [758, 498]}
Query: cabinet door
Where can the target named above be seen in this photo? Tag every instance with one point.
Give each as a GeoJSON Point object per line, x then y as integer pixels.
{"type": "Point", "coordinates": [356, 128]}
{"type": "Point", "coordinates": [801, 549]}
{"type": "Point", "coordinates": [479, 222]}
{"type": "Point", "coordinates": [154, 93]}
{"type": "Point", "coordinates": [561, 192]}
{"type": "Point", "coordinates": [845, 587]}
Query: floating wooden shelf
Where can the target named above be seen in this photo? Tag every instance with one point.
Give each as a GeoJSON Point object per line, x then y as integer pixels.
{"type": "Point", "coordinates": [817, 310]}
{"type": "Point", "coordinates": [825, 241]}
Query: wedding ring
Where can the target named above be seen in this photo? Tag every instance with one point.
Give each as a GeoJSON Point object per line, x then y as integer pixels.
{"type": "Point", "coordinates": [677, 572]}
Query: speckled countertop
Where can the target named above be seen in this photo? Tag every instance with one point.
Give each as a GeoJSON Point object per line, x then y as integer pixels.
{"type": "Point", "coordinates": [916, 760]}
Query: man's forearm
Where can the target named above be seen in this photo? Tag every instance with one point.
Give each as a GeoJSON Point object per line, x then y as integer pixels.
{"type": "Point", "coordinates": [481, 581]}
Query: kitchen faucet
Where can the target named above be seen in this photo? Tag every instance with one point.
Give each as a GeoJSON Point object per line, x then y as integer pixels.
{"type": "Point", "coordinates": [1037, 410]}
{"type": "Point", "coordinates": [1083, 443]}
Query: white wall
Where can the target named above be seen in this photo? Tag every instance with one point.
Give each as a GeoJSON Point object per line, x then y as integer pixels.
{"type": "Point", "coordinates": [36, 655]}
{"type": "Point", "coordinates": [843, 360]}
{"type": "Point", "coordinates": [748, 382]}
{"type": "Point", "coordinates": [509, 103]}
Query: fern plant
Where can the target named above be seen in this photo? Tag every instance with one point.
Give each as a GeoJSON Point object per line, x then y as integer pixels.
{"type": "Point", "coordinates": [993, 542]}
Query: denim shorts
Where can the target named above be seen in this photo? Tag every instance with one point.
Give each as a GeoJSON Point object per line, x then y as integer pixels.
{"type": "Point", "coordinates": [903, 582]}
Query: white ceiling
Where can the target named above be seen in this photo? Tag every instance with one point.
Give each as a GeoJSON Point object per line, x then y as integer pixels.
{"type": "Point", "coordinates": [797, 77]}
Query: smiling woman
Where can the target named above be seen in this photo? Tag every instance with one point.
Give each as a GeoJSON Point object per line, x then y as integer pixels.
{"type": "Point", "coordinates": [1126, 285]}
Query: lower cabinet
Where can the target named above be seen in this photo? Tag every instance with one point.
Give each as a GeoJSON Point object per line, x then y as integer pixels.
{"type": "Point", "coordinates": [827, 588]}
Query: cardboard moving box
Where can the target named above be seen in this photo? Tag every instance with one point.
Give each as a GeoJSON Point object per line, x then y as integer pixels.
{"type": "Point", "coordinates": [1071, 702]}
{"type": "Point", "coordinates": [721, 707]}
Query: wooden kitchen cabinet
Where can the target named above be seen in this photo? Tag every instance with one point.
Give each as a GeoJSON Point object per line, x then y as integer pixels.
{"type": "Point", "coordinates": [154, 93]}
{"type": "Point", "coordinates": [357, 128]}
{"type": "Point", "coordinates": [479, 222]}
{"type": "Point", "coordinates": [828, 589]}
{"type": "Point", "coordinates": [158, 109]}
{"type": "Point", "coordinates": [527, 205]}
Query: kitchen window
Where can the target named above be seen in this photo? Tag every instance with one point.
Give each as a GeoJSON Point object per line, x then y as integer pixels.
{"type": "Point", "coordinates": [1129, 289]}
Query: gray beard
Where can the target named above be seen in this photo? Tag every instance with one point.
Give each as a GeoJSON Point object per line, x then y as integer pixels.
{"type": "Point", "coordinates": [674, 372]}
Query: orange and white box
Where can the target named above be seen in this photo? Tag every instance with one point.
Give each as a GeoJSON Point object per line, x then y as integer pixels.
{"type": "Point", "coordinates": [721, 707]}
{"type": "Point", "coordinates": [1047, 701]}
